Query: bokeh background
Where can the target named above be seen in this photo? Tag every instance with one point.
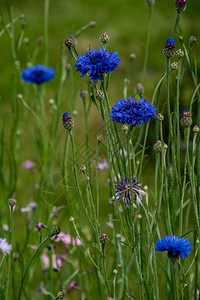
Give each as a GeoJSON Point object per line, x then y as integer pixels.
{"type": "Point", "coordinates": [126, 23]}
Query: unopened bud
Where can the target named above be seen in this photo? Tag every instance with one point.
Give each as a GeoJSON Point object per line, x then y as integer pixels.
{"type": "Point", "coordinates": [115, 271]}
{"type": "Point", "coordinates": [169, 49]}
{"type": "Point", "coordinates": [99, 95]}
{"type": "Point", "coordinates": [149, 2]}
{"type": "Point", "coordinates": [158, 146]}
{"type": "Point", "coordinates": [174, 66]}
{"type": "Point", "coordinates": [104, 239]}
{"type": "Point", "coordinates": [159, 117]}
{"type": "Point", "coordinates": [60, 295]}
{"type": "Point", "coordinates": [15, 256]}
{"type": "Point", "coordinates": [83, 168]}
{"type": "Point", "coordinates": [125, 128]}
{"type": "Point", "coordinates": [186, 119]}
{"type": "Point", "coordinates": [71, 219]}
{"type": "Point", "coordinates": [99, 138]}
{"type": "Point", "coordinates": [55, 231]}
{"type": "Point", "coordinates": [104, 38]}
{"type": "Point", "coordinates": [139, 89]}
{"type": "Point", "coordinates": [195, 129]}
{"type": "Point", "coordinates": [179, 53]}
{"type": "Point", "coordinates": [12, 202]}
{"type": "Point", "coordinates": [192, 40]}
{"type": "Point", "coordinates": [132, 56]}
{"type": "Point", "coordinates": [83, 93]}
{"type": "Point", "coordinates": [93, 24]}
{"type": "Point", "coordinates": [180, 5]}
{"type": "Point", "coordinates": [67, 121]}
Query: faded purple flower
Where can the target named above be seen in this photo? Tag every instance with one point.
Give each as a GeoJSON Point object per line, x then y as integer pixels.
{"type": "Point", "coordinates": [103, 165]}
{"type": "Point", "coordinates": [4, 246]}
{"type": "Point", "coordinates": [67, 240]}
{"type": "Point", "coordinates": [55, 210]}
{"type": "Point", "coordinates": [28, 165]}
{"type": "Point", "coordinates": [72, 286]}
{"type": "Point", "coordinates": [40, 226]}
{"type": "Point", "coordinates": [57, 261]}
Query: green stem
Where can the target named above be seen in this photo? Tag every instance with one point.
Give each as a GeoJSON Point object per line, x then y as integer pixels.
{"type": "Point", "coordinates": [46, 31]}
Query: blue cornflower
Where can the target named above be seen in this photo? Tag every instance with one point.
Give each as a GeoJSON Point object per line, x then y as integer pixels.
{"type": "Point", "coordinates": [169, 49]}
{"type": "Point", "coordinates": [37, 74]}
{"type": "Point", "coordinates": [131, 112]}
{"type": "Point", "coordinates": [97, 63]}
{"type": "Point", "coordinates": [68, 123]}
{"type": "Point", "coordinates": [176, 247]}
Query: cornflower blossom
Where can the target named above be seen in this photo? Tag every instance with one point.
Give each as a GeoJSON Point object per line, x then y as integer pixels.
{"type": "Point", "coordinates": [39, 226]}
{"type": "Point", "coordinates": [37, 74]}
{"type": "Point", "coordinates": [97, 63]}
{"type": "Point", "coordinates": [103, 165]}
{"type": "Point", "coordinates": [169, 49]}
{"type": "Point", "coordinates": [123, 192]}
{"type": "Point", "coordinates": [128, 111]}
{"type": "Point", "coordinates": [5, 247]}
{"type": "Point", "coordinates": [176, 247]}
{"type": "Point", "coordinates": [28, 165]}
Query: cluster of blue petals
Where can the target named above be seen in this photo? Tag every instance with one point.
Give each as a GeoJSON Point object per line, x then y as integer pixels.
{"type": "Point", "coordinates": [170, 42]}
{"type": "Point", "coordinates": [175, 246]}
{"type": "Point", "coordinates": [131, 112]}
{"type": "Point", "coordinates": [97, 63]}
{"type": "Point", "coordinates": [37, 74]}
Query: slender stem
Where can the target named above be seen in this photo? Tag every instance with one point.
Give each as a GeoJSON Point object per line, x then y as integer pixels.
{"type": "Point", "coordinates": [147, 43]}
{"type": "Point", "coordinates": [29, 263]}
{"type": "Point", "coordinates": [46, 31]}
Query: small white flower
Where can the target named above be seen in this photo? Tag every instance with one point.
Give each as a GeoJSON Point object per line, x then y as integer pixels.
{"type": "Point", "coordinates": [4, 246]}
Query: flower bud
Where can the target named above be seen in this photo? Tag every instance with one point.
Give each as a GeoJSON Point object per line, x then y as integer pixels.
{"type": "Point", "coordinates": [195, 129]}
{"type": "Point", "coordinates": [169, 49]}
{"type": "Point", "coordinates": [150, 2]}
{"type": "Point", "coordinates": [55, 231]}
{"type": "Point", "coordinates": [125, 128]}
{"type": "Point", "coordinates": [192, 40]}
{"type": "Point", "coordinates": [115, 271]}
{"type": "Point", "coordinates": [104, 38]}
{"type": "Point", "coordinates": [99, 138]}
{"type": "Point", "coordinates": [60, 295]}
{"type": "Point", "coordinates": [67, 121]}
{"type": "Point", "coordinates": [180, 5]}
{"type": "Point", "coordinates": [179, 53]}
{"type": "Point", "coordinates": [68, 67]}
{"type": "Point", "coordinates": [83, 93]}
{"type": "Point", "coordinates": [40, 39]}
{"type": "Point", "coordinates": [132, 56]}
{"type": "Point", "coordinates": [186, 119]}
{"type": "Point", "coordinates": [174, 66]}
{"type": "Point", "coordinates": [71, 219]}
{"type": "Point", "coordinates": [103, 238]}
{"type": "Point", "coordinates": [83, 168]}
{"type": "Point", "coordinates": [159, 117]}
{"type": "Point", "coordinates": [15, 256]}
{"type": "Point", "coordinates": [12, 202]}
{"type": "Point", "coordinates": [68, 42]}
{"type": "Point", "coordinates": [93, 24]}
{"type": "Point", "coordinates": [165, 146]}
{"type": "Point", "coordinates": [139, 89]}
{"type": "Point", "coordinates": [26, 41]}
{"type": "Point", "coordinates": [99, 95]}
{"type": "Point", "coordinates": [158, 146]}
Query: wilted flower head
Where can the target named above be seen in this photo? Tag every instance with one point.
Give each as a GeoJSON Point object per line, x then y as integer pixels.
{"type": "Point", "coordinates": [37, 74]}
{"type": "Point", "coordinates": [97, 63]}
{"type": "Point", "coordinates": [169, 49]}
{"type": "Point", "coordinates": [4, 246]}
{"type": "Point", "coordinates": [176, 247]}
{"type": "Point", "coordinates": [123, 192]}
{"type": "Point", "coordinates": [28, 165]}
{"type": "Point", "coordinates": [131, 112]}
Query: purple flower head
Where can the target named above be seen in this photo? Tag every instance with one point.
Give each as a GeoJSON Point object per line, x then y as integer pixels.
{"type": "Point", "coordinates": [176, 247]}
{"type": "Point", "coordinates": [123, 192]}
{"type": "Point", "coordinates": [40, 226]}
{"type": "Point", "coordinates": [37, 74]}
{"type": "Point", "coordinates": [131, 112]}
{"type": "Point", "coordinates": [72, 286]}
{"type": "Point", "coordinates": [4, 246]}
{"type": "Point", "coordinates": [28, 165]}
{"type": "Point", "coordinates": [169, 49]}
{"type": "Point", "coordinates": [97, 63]}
